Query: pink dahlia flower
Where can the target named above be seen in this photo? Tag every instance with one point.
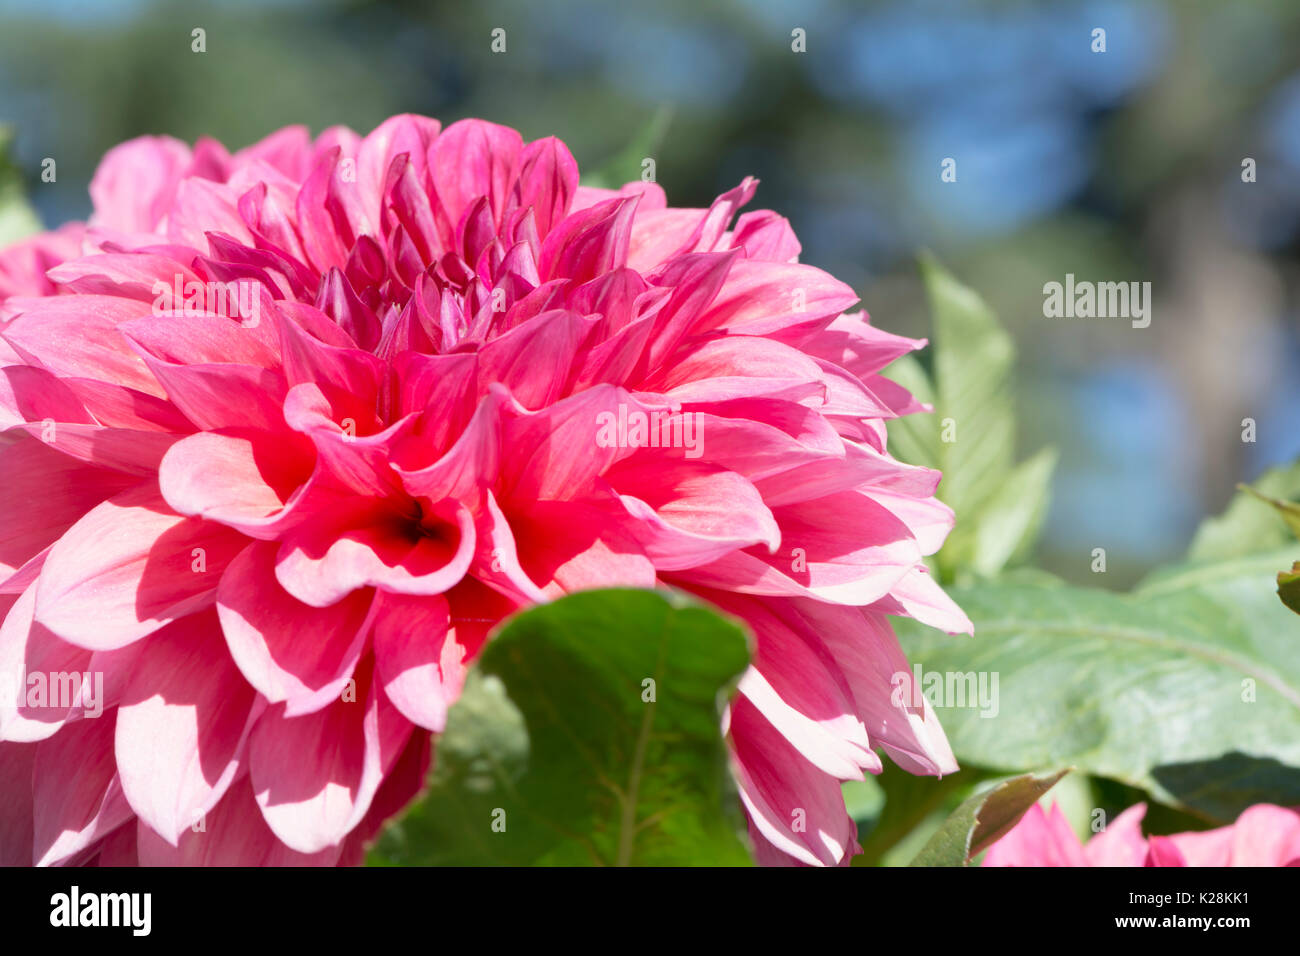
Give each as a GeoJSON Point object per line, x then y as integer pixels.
{"type": "Point", "coordinates": [1264, 835]}
{"type": "Point", "coordinates": [291, 430]}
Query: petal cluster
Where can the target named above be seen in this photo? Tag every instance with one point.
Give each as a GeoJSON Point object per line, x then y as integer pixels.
{"type": "Point", "coordinates": [1264, 835]}
{"type": "Point", "coordinates": [287, 432]}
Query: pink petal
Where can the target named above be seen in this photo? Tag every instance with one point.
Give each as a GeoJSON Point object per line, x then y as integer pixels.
{"type": "Point", "coordinates": [46, 492]}
{"type": "Point", "coordinates": [37, 711]}
{"type": "Point", "coordinates": [916, 594]}
{"type": "Point", "coordinates": [843, 548]}
{"type": "Point", "coordinates": [532, 360]}
{"type": "Point", "coordinates": [232, 834]}
{"type": "Point", "coordinates": [766, 235]}
{"type": "Point", "coordinates": [128, 275]}
{"type": "Point", "coordinates": [311, 795]}
{"type": "Point", "coordinates": [794, 806]}
{"type": "Point", "coordinates": [866, 652]}
{"type": "Point", "coordinates": [1121, 843]}
{"type": "Point", "coordinates": [135, 182]}
{"type": "Point", "coordinates": [1266, 835]}
{"type": "Point", "coordinates": [236, 477]}
{"type": "Point", "coordinates": [856, 466]}
{"type": "Point", "coordinates": [1039, 839]}
{"type": "Point", "coordinates": [590, 243]}
{"type": "Point", "coordinates": [403, 782]}
{"type": "Point", "coordinates": [555, 452]}
{"type": "Point", "coordinates": [128, 567]}
{"type": "Point", "coordinates": [286, 149]}
{"type": "Point", "coordinates": [652, 195]}
{"type": "Point", "coordinates": [414, 650]}
{"type": "Point", "coordinates": [128, 451]}
{"type": "Point", "coordinates": [116, 406]}
{"type": "Point", "coordinates": [30, 394]}
{"type": "Point", "coordinates": [696, 280]}
{"type": "Point", "coordinates": [861, 348]}
{"type": "Point", "coordinates": [117, 849]}
{"type": "Point", "coordinates": [79, 337]}
{"type": "Point", "coordinates": [16, 806]}
{"type": "Point", "coordinates": [202, 339]}
{"type": "Point", "coordinates": [496, 563]}
{"type": "Point", "coordinates": [347, 378]}
{"type": "Point", "coordinates": [1162, 851]}
{"type": "Point", "coordinates": [472, 159]}
{"type": "Point", "coordinates": [567, 546]}
{"type": "Point", "coordinates": [404, 134]}
{"type": "Point", "coordinates": [213, 396]}
{"type": "Point", "coordinates": [180, 726]}
{"type": "Point", "coordinates": [548, 177]}
{"type": "Point", "coordinates": [201, 207]}
{"type": "Point", "coordinates": [738, 361]}
{"type": "Point", "coordinates": [76, 794]}
{"type": "Point", "coordinates": [291, 652]}
{"type": "Point", "coordinates": [690, 513]}
{"type": "Point", "coordinates": [759, 298]}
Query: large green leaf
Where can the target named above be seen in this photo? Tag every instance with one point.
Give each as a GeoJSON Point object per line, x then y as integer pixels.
{"type": "Point", "coordinates": [973, 359]}
{"type": "Point", "coordinates": [1010, 519]}
{"type": "Point", "coordinates": [562, 742]}
{"type": "Point", "coordinates": [984, 818]}
{"type": "Point", "coordinates": [1189, 688]}
{"type": "Point", "coordinates": [970, 436]}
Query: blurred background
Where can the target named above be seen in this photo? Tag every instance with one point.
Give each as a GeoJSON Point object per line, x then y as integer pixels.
{"type": "Point", "coordinates": [1117, 166]}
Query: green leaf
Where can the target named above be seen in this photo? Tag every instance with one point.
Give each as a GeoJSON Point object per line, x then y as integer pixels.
{"type": "Point", "coordinates": [1288, 511]}
{"type": "Point", "coordinates": [1288, 582]}
{"type": "Point", "coordinates": [1010, 520]}
{"type": "Point", "coordinates": [972, 366]}
{"type": "Point", "coordinates": [553, 738]}
{"type": "Point", "coordinates": [625, 165]}
{"type": "Point", "coordinates": [1250, 525]}
{"type": "Point", "coordinates": [909, 801]}
{"type": "Point", "coordinates": [970, 436]}
{"type": "Point", "coordinates": [983, 819]}
{"type": "Point", "coordinates": [1188, 689]}
{"type": "Point", "coordinates": [1288, 587]}
{"type": "Point", "coordinates": [17, 218]}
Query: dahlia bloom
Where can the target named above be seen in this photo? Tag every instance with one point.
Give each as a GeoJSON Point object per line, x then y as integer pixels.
{"type": "Point", "coordinates": [1264, 835]}
{"type": "Point", "coordinates": [287, 432]}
